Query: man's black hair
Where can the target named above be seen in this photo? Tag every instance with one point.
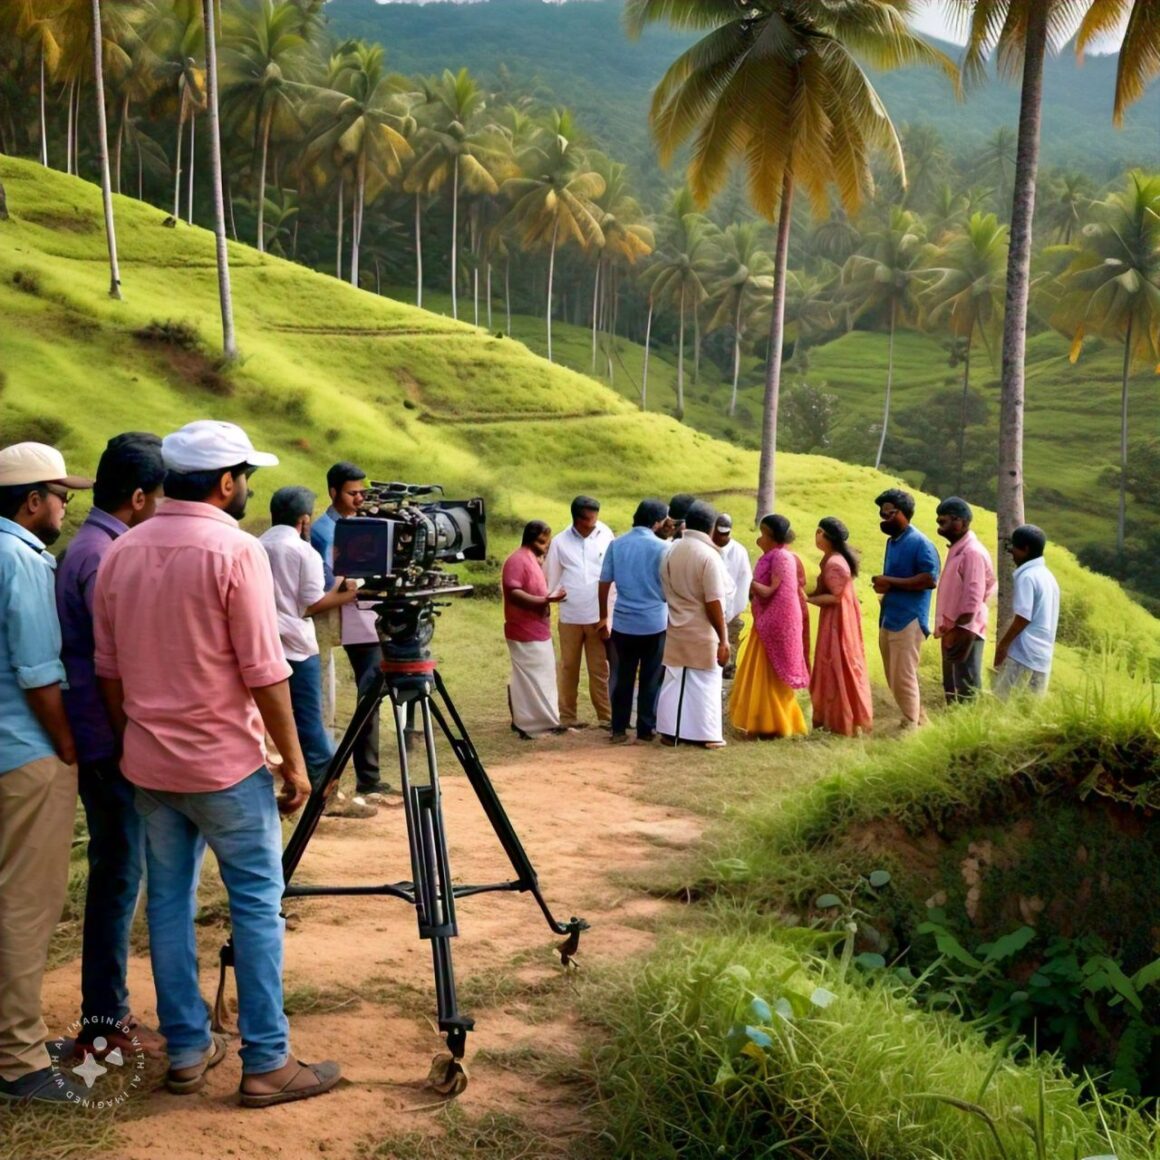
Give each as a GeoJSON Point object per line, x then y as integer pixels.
{"type": "Point", "coordinates": [289, 504]}
{"type": "Point", "coordinates": [13, 496]}
{"type": "Point", "coordinates": [778, 528]}
{"type": "Point", "coordinates": [533, 530]}
{"type": "Point", "coordinates": [649, 513]}
{"type": "Point", "coordinates": [1030, 538]}
{"type": "Point", "coordinates": [129, 461]}
{"type": "Point", "coordinates": [198, 486]}
{"type": "Point", "coordinates": [679, 505]}
{"type": "Point", "coordinates": [902, 500]}
{"type": "Point", "coordinates": [956, 508]}
{"type": "Point", "coordinates": [700, 516]}
{"type": "Point", "coordinates": [584, 503]}
{"type": "Point", "coordinates": [343, 472]}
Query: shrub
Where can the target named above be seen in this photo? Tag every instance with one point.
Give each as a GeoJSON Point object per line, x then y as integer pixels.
{"type": "Point", "coordinates": [172, 333]}
{"type": "Point", "coordinates": [27, 280]}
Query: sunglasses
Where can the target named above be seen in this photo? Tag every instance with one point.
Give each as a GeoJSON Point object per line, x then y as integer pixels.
{"type": "Point", "coordinates": [63, 494]}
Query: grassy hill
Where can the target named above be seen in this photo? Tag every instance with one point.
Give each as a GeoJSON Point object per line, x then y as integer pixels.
{"type": "Point", "coordinates": [330, 372]}
{"type": "Point", "coordinates": [578, 54]}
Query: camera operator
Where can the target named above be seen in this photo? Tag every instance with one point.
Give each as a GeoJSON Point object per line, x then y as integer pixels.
{"type": "Point", "coordinates": [191, 669]}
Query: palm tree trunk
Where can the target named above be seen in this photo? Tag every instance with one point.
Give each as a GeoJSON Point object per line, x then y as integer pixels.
{"type": "Point", "coordinates": [1121, 518]}
{"type": "Point", "coordinates": [475, 263]}
{"type": "Point", "coordinates": [140, 174]}
{"type": "Point", "coordinates": [696, 345]}
{"type": "Point", "coordinates": [192, 139]}
{"type": "Point", "coordinates": [177, 159]}
{"type": "Point", "coordinates": [120, 142]}
{"type": "Point", "coordinates": [418, 250]}
{"type": "Point", "coordinates": [1010, 490]}
{"type": "Point", "coordinates": [103, 147]}
{"type": "Point", "coordinates": [455, 248]}
{"type": "Point", "coordinates": [69, 136]}
{"type": "Point", "coordinates": [681, 361]}
{"type": "Point", "coordinates": [267, 122]}
{"type": "Point", "coordinates": [551, 275]}
{"type": "Point", "coordinates": [963, 416]}
{"type": "Point", "coordinates": [378, 277]}
{"type": "Point", "coordinates": [889, 385]}
{"type": "Point", "coordinates": [230, 207]}
{"type": "Point", "coordinates": [489, 327]}
{"type": "Point", "coordinates": [736, 352]}
{"type": "Point", "coordinates": [767, 477]}
{"type": "Point", "coordinates": [338, 246]}
{"type": "Point", "coordinates": [615, 283]}
{"type": "Point", "coordinates": [647, 340]}
{"type": "Point", "coordinates": [229, 341]}
{"type": "Point", "coordinates": [595, 311]}
{"type": "Point", "coordinates": [43, 115]}
{"type": "Point", "coordinates": [507, 292]}
{"type": "Point", "coordinates": [356, 217]}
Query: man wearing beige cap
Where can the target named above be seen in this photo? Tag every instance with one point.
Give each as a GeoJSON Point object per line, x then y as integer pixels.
{"type": "Point", "coordinates": [193, 672]}
{"type": "Point", "coordinates": [38, 780]}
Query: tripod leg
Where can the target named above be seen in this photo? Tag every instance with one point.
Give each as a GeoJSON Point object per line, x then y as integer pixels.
{"type": "Point", "coordinates": [434, 891]}
{"type": "Point", "coordinates": [469, 759]}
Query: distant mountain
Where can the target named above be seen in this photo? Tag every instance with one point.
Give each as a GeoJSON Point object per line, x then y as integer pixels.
{"type": "Point", "coordinates": [578, 54]}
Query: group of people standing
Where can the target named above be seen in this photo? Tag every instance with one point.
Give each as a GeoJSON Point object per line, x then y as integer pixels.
{"type": "Point", "coordinates": [656, 615]}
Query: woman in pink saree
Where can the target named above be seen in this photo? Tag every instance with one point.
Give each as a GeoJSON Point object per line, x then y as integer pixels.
{"type": "Point", "coordinates": [772, 662]}
{"type": "Point", "coordinates": [840, 683]}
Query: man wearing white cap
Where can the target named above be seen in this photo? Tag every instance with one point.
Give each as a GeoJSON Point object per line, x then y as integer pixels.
{"type": "Point", "coordinates": [38, 779]}
{"type": "Point", "coordinates": [192, 668]}
{"type": "Point", "coordinates": [740, 573]}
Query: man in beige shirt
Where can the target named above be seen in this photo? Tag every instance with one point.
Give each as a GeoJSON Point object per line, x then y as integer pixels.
{"type": "Point", "coordinates": [697, 643]}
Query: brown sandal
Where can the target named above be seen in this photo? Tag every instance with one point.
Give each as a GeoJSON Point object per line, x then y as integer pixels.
{"type": "Point", "coordinates": [326, 1075]}
{"type": "Point", "coordinates": [215, 1053]}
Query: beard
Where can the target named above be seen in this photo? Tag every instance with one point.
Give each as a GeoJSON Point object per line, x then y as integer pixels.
{"type": "Point", "coordinates": [887, 527]}
{"type": "Point", "coordinates": [237, 506]}
{"type": "Point", "coordinates": [48, 535]}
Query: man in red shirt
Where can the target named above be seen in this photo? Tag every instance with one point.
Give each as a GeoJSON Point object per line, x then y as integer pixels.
{"type": "Point", "coordinates": [527, 628]}
{"type": "Point", "coordinates": [192, 670]}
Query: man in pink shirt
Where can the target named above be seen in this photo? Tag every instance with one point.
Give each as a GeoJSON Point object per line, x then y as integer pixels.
{"type": "Point", "coordinates": [966, 585]}
{"type": "Point", "coordinates": [192, 670]}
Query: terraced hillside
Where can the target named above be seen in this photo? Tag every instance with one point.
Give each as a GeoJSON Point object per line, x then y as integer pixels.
{"type": "Point", "coordinates": [329, 372]}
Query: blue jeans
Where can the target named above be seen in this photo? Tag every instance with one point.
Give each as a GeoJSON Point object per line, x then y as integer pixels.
{"type": "Point", "coordinates": [306, 699]}
{"type": "Point", "coordinates": [116, 862]}
{"type": "Point", "coordinates": [241, 826]}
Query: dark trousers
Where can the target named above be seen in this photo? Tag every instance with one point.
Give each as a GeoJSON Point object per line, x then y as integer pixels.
{"type": "Point", "coordinates": [962, 679]}
{"type": "Point", "coordinates": [116, 862]}
{"type": "Point", "coordinates": [306, 700]}
{"type": "Point", "coordinates": [365, 660]}
{"type": "Point", "coordinates": [629, 655]}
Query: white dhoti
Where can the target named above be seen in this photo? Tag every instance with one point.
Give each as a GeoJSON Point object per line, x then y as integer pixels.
{"type": "Point", "coordinates": [532, 691]}
{"type": "Point", "coordinates": [689, 707]}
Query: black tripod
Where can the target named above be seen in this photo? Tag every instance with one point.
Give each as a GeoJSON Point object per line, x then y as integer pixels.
{"type": "Point", "coordinates": [410, 680]}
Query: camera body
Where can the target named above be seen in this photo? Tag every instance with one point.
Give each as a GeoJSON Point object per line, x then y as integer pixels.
{"type": "Point", "coordinates": [399, 540]}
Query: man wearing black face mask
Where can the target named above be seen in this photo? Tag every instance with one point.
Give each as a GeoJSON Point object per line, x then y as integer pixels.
{"type": "Point", "coordinates": [908, 575]}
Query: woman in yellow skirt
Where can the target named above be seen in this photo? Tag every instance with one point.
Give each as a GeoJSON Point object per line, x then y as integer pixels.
{"type": "Point", "coordinates": [772, 662]}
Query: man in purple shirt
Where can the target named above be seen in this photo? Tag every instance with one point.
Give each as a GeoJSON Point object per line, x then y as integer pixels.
{"type": "Point", "coordinates": [127, 488]}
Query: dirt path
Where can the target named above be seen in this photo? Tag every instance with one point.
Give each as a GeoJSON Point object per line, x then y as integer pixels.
{"type": "Point", "coordinates": [574, 807]}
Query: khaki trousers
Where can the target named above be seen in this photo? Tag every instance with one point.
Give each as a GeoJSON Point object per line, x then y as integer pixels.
{"type": "Point", "coordinates": [578, 640]}
{"type": "Point", "coordinates": [38, 802]}
{"type": "Point", "coordinates": [900, 651]}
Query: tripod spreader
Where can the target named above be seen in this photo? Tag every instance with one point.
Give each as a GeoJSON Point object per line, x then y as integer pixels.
{"type": "Point", "coordinates": [416, 682]}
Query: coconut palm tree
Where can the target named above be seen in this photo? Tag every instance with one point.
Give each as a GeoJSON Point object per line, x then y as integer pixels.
{"type": "Point", "coordinates": [1069, 196]}
{"type": "Point", "coordinates": [33, 21]}
{"type": "Point", "coordinates": [266, 62]}
{"type": "Point", "coordinates": [555, 202]}
{"type": "Point", "coordinates": [213, 106]}
{"type": "Point", "coordinates": [995, 163]}
{"type": "Point", "coordinates": [364, 123]}
{"type": "Point", "coordinates": [741, 261]}
{"type": "Point", "coordinates": [103, 149]}
{"type": "Point", "coordinates": [966, 294]}
{"type": "Point", "coordinates": [883, 280]}
{"type": "Point", "coordinates": [452, 145]}
{"type": "Point", "coordinates": [1111, 288]}
{"type": "Point", "coordinates": [778, 84]}
{"type": "Point", "coordinates": [1139, 56]}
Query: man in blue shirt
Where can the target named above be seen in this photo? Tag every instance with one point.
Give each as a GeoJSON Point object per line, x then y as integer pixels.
{"type": "Point", "coordinates": [38, 781]}
{"type": "Point", "coordinates": [908, 577]}
{"type": "Point", "coordinates": [125, 494]}
{"type": "Point", "coordinates": [636, 636]}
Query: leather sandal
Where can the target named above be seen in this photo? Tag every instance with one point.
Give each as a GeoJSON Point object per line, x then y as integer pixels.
{"type": "Point", "coordinates": [326, 1075]}
{"type": "Point", "coordinates": [195, 1082]}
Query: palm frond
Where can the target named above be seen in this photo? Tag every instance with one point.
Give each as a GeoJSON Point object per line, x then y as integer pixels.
{"type": "Point", "coordinates": [1139, 55]}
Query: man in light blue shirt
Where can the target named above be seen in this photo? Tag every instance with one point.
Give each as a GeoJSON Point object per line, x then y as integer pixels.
{"type": "Point", "coordinates": [1023, 657]}
{"type": "Point", "coordinates": [38, 777]}
{"type": "Point", "coordinates": [636, 636]}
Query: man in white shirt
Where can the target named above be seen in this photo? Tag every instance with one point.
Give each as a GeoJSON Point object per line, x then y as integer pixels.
{"type": "Point", "coordinates": [574, 562]}
{"type": "Point", "coordinates": [299, 594]}
{"type": "Point", "coordinates": [1023, 656]}
{"type": "Point", "coordinates": [739, 570]}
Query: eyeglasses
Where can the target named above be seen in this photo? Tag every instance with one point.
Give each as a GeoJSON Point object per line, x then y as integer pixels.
{"type": "Point", "coordinates": [61, 493]}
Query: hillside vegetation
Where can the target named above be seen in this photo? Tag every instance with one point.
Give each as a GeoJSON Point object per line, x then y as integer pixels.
{"type": "Point", "coordinates": [330, 372]}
